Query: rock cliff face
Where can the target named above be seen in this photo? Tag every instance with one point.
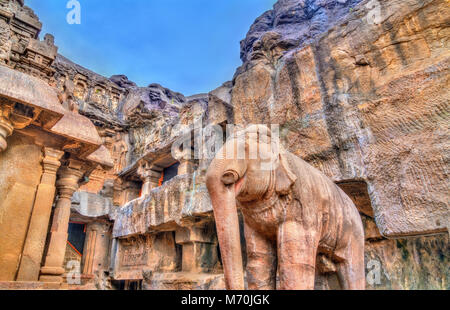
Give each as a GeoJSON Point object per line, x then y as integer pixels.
{"type": "Point", "coordinates": [291, 24]}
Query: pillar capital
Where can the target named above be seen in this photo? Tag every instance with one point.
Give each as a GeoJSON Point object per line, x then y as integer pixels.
{"type": "Point", "coordinates": [14, 115]}
{"type": "Point", "coordinates": [145, 171]}
{"type": "Point", "coordinates": [52, 156]}
{"type": "Point", "coordinates": [195, 242]}
{"type": "Point", "coordinates": [98, 226]}
{"type": "Point", "coordinates": [148, 176]}
{"type": "Point", "coordinates": [50, 164]}
{"type": "Point", "coordinates": [68, 178]}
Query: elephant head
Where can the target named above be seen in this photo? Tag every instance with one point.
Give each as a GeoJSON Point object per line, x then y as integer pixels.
{"type": "Point", "coordinates": [248, 167]}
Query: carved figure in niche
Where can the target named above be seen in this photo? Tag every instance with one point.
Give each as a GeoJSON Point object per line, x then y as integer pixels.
{"type": "Point", "coordinates": [120, 150]}
{"type": "Point", "coordinates": [80, 90]}
{"type": "Point", "coordinates": [292, 213]}
{"type": "Point", "coordinates": [115, 98]}
{"type": "Point", "coordinates": [98, 95]}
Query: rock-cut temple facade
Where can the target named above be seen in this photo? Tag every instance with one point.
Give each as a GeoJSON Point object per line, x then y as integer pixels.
{"type": "Point", "coordinates": [92, 196]}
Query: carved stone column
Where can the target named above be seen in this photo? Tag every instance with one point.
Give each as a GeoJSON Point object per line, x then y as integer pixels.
{"type": "Point", "coordinates": [68, 179]}
{"type": "Point", "coordinates": [149, 177]}
{"type": "Point", "coordinates": [40, 217]}
{"type": "Point", "coordinates": [6, 127]}
{"type": "Point", "coordinates": [186, 162]}
{"type": "Point", "coordinates": [186, 167]}
{"type": "Point", "coordinates": [199, 248]}
{"type": "Point", "coordinates": [95, 251]}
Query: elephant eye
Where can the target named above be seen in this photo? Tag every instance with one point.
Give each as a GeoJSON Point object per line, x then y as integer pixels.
{"type": "Point", "coordinates": [229, 178]}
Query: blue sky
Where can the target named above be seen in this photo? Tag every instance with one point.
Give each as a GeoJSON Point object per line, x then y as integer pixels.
{"type": "Point", "coordinates": [190, 46]}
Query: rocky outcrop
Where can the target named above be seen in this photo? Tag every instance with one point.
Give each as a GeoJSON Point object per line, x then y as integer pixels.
{"type": "Point", "coordinates": [122, 81]}
{"type": "Point", "coordinates": [419, 263]}
{"type": "Point", "coordinates": [292, 24]}
{"type": "Point", "coordinates": [364, 100]}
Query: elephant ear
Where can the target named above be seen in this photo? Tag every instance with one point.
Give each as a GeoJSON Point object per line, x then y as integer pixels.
{"type": "Point", "coordinates": [284, 177]}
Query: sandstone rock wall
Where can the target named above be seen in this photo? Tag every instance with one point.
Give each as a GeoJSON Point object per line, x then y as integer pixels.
{"type": "Point", "coordinates": [417, 263]}
{"type": "Point", "coordinates": [20, 174]}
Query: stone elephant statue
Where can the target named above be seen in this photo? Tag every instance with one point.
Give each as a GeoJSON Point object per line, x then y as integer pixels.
{"type": "Point", "coordinates": [292, 213]}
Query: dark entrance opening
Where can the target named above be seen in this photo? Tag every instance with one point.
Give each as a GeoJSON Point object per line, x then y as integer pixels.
{"type": "Point", "coordinates": [169, 173]}
{"type": "Point", "coordinates": [77, 236]}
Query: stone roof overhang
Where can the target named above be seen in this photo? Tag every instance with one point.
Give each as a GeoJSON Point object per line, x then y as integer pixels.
{"type": "Point", "coordinates": [21, 88]}
{"type": "Point", "coordinates": [31, 91]}
{"type": "Point", "coordinates": [80, 129]}
{"type": "Point", "coordinates": [159, 158]}
{"type": "Point", "coordinates": [102, 156]}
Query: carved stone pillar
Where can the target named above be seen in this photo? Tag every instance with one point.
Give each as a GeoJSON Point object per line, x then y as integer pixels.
{"type": "Point", "coordinates": [67, 184]}
{"type": "Point", "coordinates": [149, 177]}
{"type": "Point", "coordinates": [96, 246]}
{"type": "Point", "coordinates": [40, 217]}
{"type": "Point", "coordinates": [186, 162]}
{"type": "Point", "coordinates": [6, 127]}
{"type": "Point", "coordinates": [199, 248]}
{"type": "Point", "coordinates": [186, 167]}
{"type": "Point", "coordinates": [125, 191]}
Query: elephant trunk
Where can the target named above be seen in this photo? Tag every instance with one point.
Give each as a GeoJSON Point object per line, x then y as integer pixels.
{"type": "Point", "coordinates": [223, 197]}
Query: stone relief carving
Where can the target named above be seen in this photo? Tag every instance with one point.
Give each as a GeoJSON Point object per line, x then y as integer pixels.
{"type": "Point", "coordinates": [134, 252]}
{"type": "Point", "coordinates": [119, 153]}
{"type": "Point", "coordinates": [5, 42]}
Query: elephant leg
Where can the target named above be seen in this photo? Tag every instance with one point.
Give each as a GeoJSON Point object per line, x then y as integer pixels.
{"type": "Point", "coordinates": [351, 271]}
{"type": "Point", "coordinates": [297, 249]}
{"type": "Point", "coordinates": [261, 261]}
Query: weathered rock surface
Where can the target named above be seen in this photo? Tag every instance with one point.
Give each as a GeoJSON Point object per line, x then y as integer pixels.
{"type": "Point", "coordinates": [97, 97]}
{"type": "Point", "coordinates": [122, 81]}
{"type": "Point", "coordinates": [291, 24]}
{"type": "Point", "coordinates": [183, 281]}
{"type": "Point", "coordinates": [169, 206]}
{"type": "Point", "coordinates": [419, 263]}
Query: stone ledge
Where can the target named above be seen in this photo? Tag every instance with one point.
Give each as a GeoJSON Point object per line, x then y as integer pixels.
{"type": "Point", "coordinates": [183, 281]}
{"type": "Point", "coordinates": [23, 286]}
